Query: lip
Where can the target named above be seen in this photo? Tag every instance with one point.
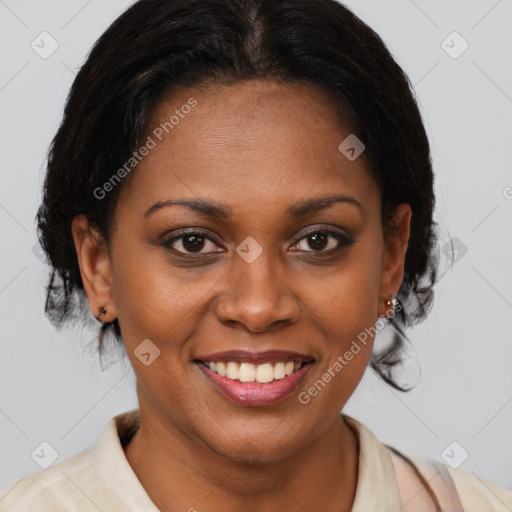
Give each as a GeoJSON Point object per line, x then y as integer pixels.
{"type": "Point", "coordinates": [248, 356]}
{"type": "Point", "coordinates": [252, 394]}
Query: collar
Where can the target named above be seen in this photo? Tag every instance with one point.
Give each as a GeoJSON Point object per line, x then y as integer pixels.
{"type": "Point", "coordinates": [376, 482]}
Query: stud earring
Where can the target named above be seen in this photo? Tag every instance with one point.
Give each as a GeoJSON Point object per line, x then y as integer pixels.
{"type": "Point", "coordinates": [391, 305]}
{"type": "Point", "coordinates": [102, 311]}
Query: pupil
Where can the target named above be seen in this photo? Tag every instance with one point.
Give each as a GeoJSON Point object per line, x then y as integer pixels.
{"type": "Point", "coordinates": [193, 242]}
{"type": "Point", "coordinates": [319, 241]}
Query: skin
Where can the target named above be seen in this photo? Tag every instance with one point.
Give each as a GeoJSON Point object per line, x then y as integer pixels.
{"type": "Point", "coordinates": [257, 147]}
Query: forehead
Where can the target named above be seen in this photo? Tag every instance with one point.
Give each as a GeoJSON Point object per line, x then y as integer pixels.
{"type": "Point", "coordinates": [255, 141]}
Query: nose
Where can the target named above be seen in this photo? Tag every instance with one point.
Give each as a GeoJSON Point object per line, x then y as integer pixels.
{"type": "Point", "coordinates": [257, 295]}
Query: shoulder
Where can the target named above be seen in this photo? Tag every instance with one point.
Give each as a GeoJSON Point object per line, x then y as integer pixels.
{"type": "Point", "coordinates": [479, 495]}
{"type": "Point", "coordinates": [98, 478]}
{"type": "Point", "coordinates": [454, 489]}
{"type": "Point", "coordinates": [54, 489]}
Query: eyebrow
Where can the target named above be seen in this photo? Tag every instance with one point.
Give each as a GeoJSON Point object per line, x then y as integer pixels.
{"type": "Point", "coordinates": [221, 211]}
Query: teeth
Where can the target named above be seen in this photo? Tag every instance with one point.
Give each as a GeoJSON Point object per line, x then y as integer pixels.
{"type": "Point", "coordinates": [265, 373]}
{"type": "Point", "coordinates": [232, 370]}
{"type": "Point", "coordinates": [279, 371]}
{"type": "Point", "coordinates": [221, 368]}
{"type": "Point", "coordinates": [247, 372]}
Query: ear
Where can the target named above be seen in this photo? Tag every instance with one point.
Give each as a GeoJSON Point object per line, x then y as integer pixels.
{"type": "Point", "coordinates": [395, 247]}
{"type": "Point", "coordinates": [95, 268]}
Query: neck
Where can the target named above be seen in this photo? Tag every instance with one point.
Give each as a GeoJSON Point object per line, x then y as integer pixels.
{"type": "Point", "coordinates": [178, 473]}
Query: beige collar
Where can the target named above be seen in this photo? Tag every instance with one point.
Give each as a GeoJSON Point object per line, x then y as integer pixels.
{"type": "Point", "coordinates": [376, 484]}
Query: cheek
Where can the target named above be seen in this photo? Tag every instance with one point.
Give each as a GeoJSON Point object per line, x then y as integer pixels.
{"type": "Point", "coordinates": [345, 307]}
{"type": "Point", "coordinates": [155, 299]}
{"type": "Point", "coordinates": [347, 297]}
{"type": "Point", "coordinates": [154, 304]}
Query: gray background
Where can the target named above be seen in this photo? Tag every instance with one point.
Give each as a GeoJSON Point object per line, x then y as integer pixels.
{"type": "Point", "coordinates": [51, 385]}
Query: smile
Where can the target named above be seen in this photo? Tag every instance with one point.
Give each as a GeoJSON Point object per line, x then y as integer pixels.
{"type": "Point", "coordinates": [248, 372]}
{"type": "Point", "coordinates": [255, 379]}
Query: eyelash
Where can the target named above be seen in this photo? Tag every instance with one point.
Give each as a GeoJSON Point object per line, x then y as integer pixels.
{"type": "Point", "coordinates": [343, 242]}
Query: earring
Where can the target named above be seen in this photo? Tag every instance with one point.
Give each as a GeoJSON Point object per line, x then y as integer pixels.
{"type": "Point", "coordinates": [102, 311]}
{"type": "Point", "coordinates": [391, 305]}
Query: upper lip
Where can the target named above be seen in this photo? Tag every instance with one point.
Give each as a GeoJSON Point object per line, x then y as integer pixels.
{"type": "Point", "coordinates": [249, 356]}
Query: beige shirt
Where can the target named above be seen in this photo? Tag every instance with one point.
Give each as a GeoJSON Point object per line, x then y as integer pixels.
{"type": "Point", "coordinates": [100, 478]}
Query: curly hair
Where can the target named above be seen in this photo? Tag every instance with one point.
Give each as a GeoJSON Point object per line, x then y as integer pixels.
{"type": "Point", "coordinates": [158, 46]}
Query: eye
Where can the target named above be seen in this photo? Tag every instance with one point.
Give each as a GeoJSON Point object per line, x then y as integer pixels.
{"type": "Point", "coordinates": [322, 241]}
{"type": "Point", "coordinates": [191, 242]}
{"type": "Point", "coordinates": [197, 242]}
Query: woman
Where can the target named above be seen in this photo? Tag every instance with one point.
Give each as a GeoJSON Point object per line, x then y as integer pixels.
{"type": "Point", "coordinates": [242, 190]}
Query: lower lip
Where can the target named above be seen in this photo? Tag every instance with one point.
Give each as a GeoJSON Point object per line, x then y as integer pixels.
{"type": "Point", "coordinates": [253, 393]}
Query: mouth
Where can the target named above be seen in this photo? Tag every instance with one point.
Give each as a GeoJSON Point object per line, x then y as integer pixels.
{"type": "Point", "coordinates": [255, 379]}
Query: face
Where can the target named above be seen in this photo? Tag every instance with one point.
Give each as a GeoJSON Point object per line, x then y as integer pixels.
{"type": "Point", "coordinates": [251, 261]}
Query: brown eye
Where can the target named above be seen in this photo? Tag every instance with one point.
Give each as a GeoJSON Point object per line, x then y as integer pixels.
{"type": "Point", "coordinates": [322, 241]}
{"type": "Point", "coordinates": [192, 242]}
{"type": "Point", "coordinates": [318, 241]}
